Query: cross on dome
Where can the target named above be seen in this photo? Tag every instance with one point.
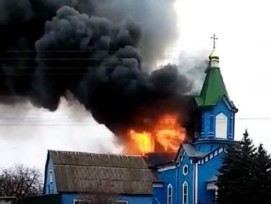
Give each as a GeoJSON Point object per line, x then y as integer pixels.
{"type": "Point", "coordinates": [214, 38]}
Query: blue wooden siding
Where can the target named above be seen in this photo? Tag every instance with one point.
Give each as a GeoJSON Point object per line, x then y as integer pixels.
{"type": "Point", "coordinates": [176, 178]}
{"type": "Point", "coordinates": [206, 172]}
{"type": "Point", "coordinates": [185, 178]}
{"type": "Point", "coordinates": [137, 199]}
{"type": "Point", "coordinates": [159, 195]}
{"type": "Point", "coordinates": [208, 120]}
{"type": "Point", "coordinates": [168, 177]}
{"type": "Point", "coordinates": [68, 198]}
{"type": "Point", "coordinates": [50, 187]}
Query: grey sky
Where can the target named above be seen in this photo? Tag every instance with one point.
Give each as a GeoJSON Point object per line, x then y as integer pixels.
{"type": "Point", "coordinates": [243, 46]}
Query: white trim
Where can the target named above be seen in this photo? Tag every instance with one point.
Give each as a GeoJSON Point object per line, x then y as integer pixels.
{"type": "Point", "coordinates": [166, 168]}
{"type": "Point", "coordinates": [196, 182]}
{"type": "Point", "coordinates": [157, 200]}
{"type": "Point", "coordinates": [184, 168]}
{"type": "Point", "coordinates": [121, 201]}
{"type": "Point", "coordinates": [156, 185]}
{"type": "Point", "coordinates": [211, 155]}
{"type": "Point", "coordinates": [211, 186]}
{"type": "Point", "coordinates": [169, 186]}
{"type": "Point", "coordinates": [220, 150]}
{"type": "Point", "coordinates": [185, 184]}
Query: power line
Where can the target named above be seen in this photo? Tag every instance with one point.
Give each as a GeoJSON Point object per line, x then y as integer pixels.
{"type": "Point", "coordinates": [78, 123]}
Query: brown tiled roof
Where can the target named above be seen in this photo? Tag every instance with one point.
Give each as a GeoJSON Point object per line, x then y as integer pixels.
{"type": "Point", "coordinates": [101, 173]}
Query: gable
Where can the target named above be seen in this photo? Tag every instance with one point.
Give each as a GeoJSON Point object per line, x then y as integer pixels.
{"type": "Point", "coordinates": [189, 151]}
{"type": "Point", "coordinates": [49, 180]}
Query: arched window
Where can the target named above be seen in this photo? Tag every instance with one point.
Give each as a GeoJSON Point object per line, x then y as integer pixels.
{"type": "Point", "coordinates": [169, 194]}
{"type": "Point", "coordinates": [221, 126]}
{"type": "Point", "coordinates": [185, 193]}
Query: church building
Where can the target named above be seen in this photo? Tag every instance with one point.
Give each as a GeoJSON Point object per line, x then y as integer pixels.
{"type": "Point", "coordinates": [189, 177]}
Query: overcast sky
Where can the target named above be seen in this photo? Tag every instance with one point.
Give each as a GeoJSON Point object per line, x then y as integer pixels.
{"type": "Point", "coordinates": [244, 47]}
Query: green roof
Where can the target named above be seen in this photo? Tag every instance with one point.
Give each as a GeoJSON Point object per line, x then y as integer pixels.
{"type": "Point", "coordinates": [213, 89]}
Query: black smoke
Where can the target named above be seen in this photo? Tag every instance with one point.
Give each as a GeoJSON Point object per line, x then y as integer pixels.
{"type": "Point", "coordinates": [49, 49]}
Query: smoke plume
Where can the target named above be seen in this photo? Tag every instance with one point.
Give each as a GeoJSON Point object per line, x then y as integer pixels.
{"type": "Point", "coordinates": [101, 51]}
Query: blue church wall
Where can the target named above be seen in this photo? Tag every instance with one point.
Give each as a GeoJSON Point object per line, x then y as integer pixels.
{"type": "Point", "coordinates": [208, 120]}
{"type": "Point", "coordinates": [68, 198]}
{"type": "Point", "coordinates": [169, 177]}
{"type": "Point", "coordinates": [159, 194]}
{"type": "Point", "coordinates": [137, 199]}
{"type": "Point", "coordinates": [207, 171]}
{"type": "Point", "coordinates": [188, 178]}
{"type": "Point", "coordinates": [209, 146]}
{"type": "Point", "coordinates": [176, 178]}
{"type": "Point", "coordinates": [50, 184]}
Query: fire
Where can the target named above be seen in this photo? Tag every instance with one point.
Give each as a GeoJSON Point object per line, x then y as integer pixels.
{"type": "Point", "coordinates": [143, 141]}
{"type": "Point", "coordinates": [166, 134]}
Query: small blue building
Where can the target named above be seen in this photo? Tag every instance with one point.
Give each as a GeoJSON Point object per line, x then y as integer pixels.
{"type": "Point", "coordinates": [101, 178]}
{"type": "Point", "coordinates": [188, 177]}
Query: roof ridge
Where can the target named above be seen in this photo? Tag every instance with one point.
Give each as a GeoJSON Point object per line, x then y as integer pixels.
{"type": "Point", "coordinates": [93, 153]}
{"type": "Point", "coordinates": [116, 167]}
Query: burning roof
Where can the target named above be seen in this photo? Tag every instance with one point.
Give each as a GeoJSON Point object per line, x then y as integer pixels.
{"type": "Point", "coordinates": [155, 159]}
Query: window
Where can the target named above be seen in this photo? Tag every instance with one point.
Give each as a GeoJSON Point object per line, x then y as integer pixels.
{"type": "Point", "coordinates": [221, 126]}
{"type": "Point", "coordinates": [169, 194]}
{"type": "Point", "coordinates": [185, 193]}
{"type": "Point", "coordinates": [185, 170]}
{"type": "Point", "coordinates": [51, 176]}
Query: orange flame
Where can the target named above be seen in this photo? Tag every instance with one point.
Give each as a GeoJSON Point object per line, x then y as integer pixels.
{"type": "Point", "coordinates": [166, 132]}
{"type": "Point", "coordinates": [143, 141]}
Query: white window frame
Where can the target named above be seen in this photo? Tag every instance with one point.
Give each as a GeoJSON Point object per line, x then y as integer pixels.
{"type": "Point", "coordinates": [51, 180]}
{"type": "Point", "coordinates": [169, 197]}
{"type": "Point", "coordinates": [185, 166]}
{"type": "Point", "coordinates": [185, 184]}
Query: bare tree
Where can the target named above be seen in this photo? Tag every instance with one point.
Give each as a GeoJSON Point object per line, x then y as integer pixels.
{"type": "Point", "coordinates": [20, 182]}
